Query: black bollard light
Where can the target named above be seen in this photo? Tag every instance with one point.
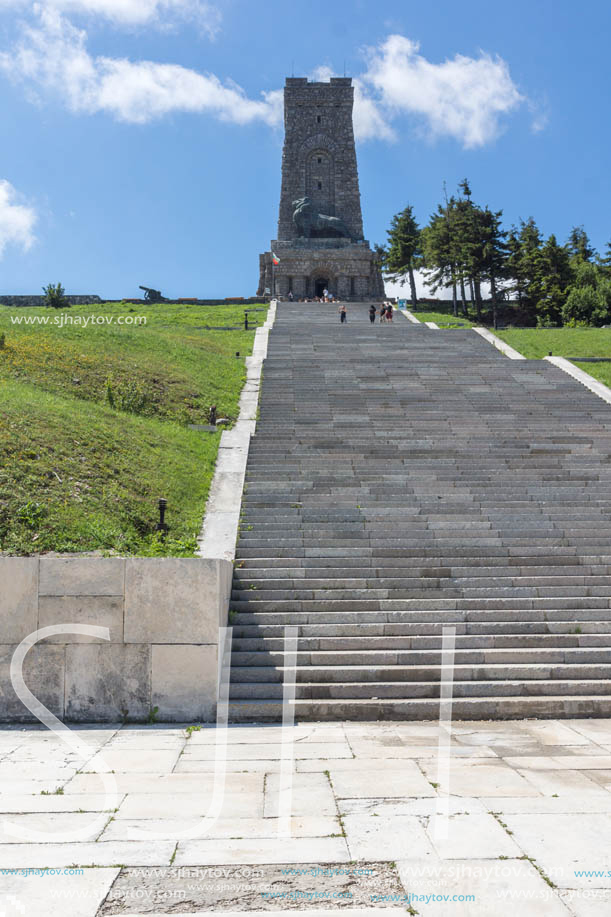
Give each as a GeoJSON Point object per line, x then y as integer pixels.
{"type": "Point", "coordinates": [161, 525]}
{"type": "Point", "coordinates": [212, 415]}
{"type": "Point", "coordinates": [246, 321]}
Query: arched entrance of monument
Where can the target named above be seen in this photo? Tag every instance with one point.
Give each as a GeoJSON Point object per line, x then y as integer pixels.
{"type": "Point", "coordinates": [320, 285]}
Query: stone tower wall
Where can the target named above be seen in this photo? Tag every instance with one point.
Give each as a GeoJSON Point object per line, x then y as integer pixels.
{"type": "Point", "coordinates": [319, 158]}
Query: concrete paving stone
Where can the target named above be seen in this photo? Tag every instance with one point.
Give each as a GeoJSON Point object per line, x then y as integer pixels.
{"type": "Point", "coordinates": [37, 770]}
{"type": "Point", "coordinates": [264, 734]}
{"type": "Point", "coordinates": [347, 764]}
{"type": "Point", "coordinates": [65, 803]}
{"type": "Point", "coordinates": [246, 751]}
{"type": "Point", "coordinates": [56, 895]}
{"type": "Point", "coordinates": [475, 778]}
{"type": "Point", "coordinates": [310, 794]}
{"type": "Point", "coordinates": [469, 836]}
{"type": "Point", "coordinates": [587, 902]}
{"type": "Point", "coordinates": [237, 803]}
{"type": "Point", "coordinates": [380, 781]}
{"type": "Point", "coordinates": [386, 837]}
{"type": "Point", "coordinates": [124, 853]}
{"type": "Point", "coordinates": [240, 766]}
{"type": "Point", "coordinates": [494, 887]}
{"type": "Point", "coordinates": [562, 782]}
{"type": "Point", "coordinates": [425, 806]}
{"type": "Point", "coordinates": [163, 785]}
{"type": "Point", "coordinates": [262, 850]}
{"type": "Point", "coordinates": [56, 825]}
{"type": "Point", "coordinates": [130, 761]}
{"type": "Point", "coordinates": [555, 733]}
{"type": "Point", "coordinates": [565, 844]}
{"type": "Point", "coordinates": [584, 762]}
{"type": "Point", "coordinates": [568, 804]}
{"type": "Point", "coordinates": [222, 828]}
{"type": "Point", "coordinates": [593, 730]}
{"type": "Point", "coordinates": [370, 750]}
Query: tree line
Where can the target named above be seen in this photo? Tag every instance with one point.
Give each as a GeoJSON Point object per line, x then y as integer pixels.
{"type": "Point", "coordinates": [532, 280]}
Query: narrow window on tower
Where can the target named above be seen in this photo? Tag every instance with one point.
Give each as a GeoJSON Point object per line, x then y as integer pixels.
{"type": "Point", "coordinates": [318, 119]}
{"type": "Point", "coordinates": [319, 185]}
{"type": "Point", "coordinates": [319, 159]}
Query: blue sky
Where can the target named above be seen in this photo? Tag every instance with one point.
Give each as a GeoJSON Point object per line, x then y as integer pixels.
{"type": "Point", "coordinates": [142, 139]}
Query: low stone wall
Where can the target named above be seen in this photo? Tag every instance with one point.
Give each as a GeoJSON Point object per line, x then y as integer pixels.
{"type": "Point", "coordinates": [40, 300]}
{"type": "Point", "coordinates": [163, 616]}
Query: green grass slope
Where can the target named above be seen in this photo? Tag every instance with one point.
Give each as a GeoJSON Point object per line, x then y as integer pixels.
{"type": "Point", "coordinates": [536, 343]}
{"type": "Point", "coordinates": [93, 423]}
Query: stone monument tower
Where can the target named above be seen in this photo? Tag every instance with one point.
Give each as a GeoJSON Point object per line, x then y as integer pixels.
{"type": "Point", "coordinates": [320, 241]}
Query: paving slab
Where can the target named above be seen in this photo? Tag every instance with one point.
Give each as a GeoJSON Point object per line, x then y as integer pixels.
{"type": "Point", "coordinates": [310, 794]}
{"type": "Point", "coordinates": [480, 888]}
{"type": "Point", "coordinates": [386, 837]}
{"type": "Point", "coordinates": [313, 826]}
{"type": "Point", "coordinates": [56, 895]}
{"type": "Point", "coordinates": [470, 836]}
{"type": "Point", "coordinates": [566, 844]}
{"type": "Point", "coordinates": [264, 850]}
{"type": "Point", "coordinates": [257, 889]}
{"type": "Point", "coordinates": [407, 781]}
{"type": "Point", "coordinates": [117, 853]}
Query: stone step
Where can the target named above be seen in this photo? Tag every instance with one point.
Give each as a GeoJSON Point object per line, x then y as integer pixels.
{"type": "Point", "coordinates": [481, 708]}
{"type": "Point", "coordinates": [393, 642]}
{"type": "Point", "coordinates": [406, 673]}
{"type": "Point", "coordinates": [552, 655]}
{"type": "Point", "coordinates": [440, 616]}
{"type": "Point", "coordinates": [405, 690]}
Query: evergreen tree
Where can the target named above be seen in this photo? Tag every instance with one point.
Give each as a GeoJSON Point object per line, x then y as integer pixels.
{"type": "Point", "coordinates": [404, 251]}
{"type": "Point", "coordinates": [556, 279]}
{"type": "Point", "coordinates": [579, 245]}
{"type": "Point", "coordinates": [494, 252]}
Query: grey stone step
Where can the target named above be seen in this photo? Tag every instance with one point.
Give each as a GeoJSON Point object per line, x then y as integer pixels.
{"type": "Point", "coordinates": [417, 689]}
{"type": "Point", "coordinates": [481, 708]}
{"type": "Point", "coordinates": [406, 673]}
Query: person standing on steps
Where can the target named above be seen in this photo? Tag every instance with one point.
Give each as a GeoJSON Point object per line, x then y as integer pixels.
{"type": "Point", "coordinates": [382, 313]}
{"type": "Point", "coordinates": [343, 313]}
{"type": "Point", "coordinates": [389, 313]}
{"type": "Point", "coordinates": [372, 313]}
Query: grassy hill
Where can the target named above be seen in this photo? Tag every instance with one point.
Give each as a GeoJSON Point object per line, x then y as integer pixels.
{"type": "Point", "coordinates": [93, 422]}
{"type": "Point", "coordinates": [572, 343]}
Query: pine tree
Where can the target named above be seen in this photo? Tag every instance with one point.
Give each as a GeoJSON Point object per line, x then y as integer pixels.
{"type": "Point", "coordinates": [556, 280]}
{"type": "Point", "coordinates": [579, 245]}
{"type": "Point", "coordinates": [404, 250]}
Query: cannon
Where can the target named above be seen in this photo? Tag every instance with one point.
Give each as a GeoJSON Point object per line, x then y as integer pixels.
{"type": "Point", "coordinates": [151, 295]}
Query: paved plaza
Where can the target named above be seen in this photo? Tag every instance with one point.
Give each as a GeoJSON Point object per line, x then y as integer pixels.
{"type": "Point", "coordinates": [528, 808]}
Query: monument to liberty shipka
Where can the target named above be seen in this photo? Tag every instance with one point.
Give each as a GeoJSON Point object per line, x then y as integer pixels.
{"type": "Point", "coordinates": [320, 242]}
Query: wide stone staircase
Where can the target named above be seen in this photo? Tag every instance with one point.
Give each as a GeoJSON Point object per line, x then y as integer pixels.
{"type": "Point", "coordinates": [402, 479]}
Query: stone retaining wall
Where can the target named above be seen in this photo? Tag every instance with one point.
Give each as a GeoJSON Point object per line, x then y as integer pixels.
{"type": "Point", "coordinates": [40, 300]}
{"type": "Point", "coordinates": [163, 616]}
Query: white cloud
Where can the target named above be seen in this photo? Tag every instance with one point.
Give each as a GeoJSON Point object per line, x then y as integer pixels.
{"type": "Point", "coordinates": [462, 98]}
{"type": "Point", "coordinates": [132, 12]}
{"type": "Point", "coordinates": [16, 220]}
{"type": "Point", "coordinates": [53, 55]}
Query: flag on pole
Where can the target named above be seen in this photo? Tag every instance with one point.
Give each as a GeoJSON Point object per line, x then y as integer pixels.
{"type": "Point", "coordinates": [275, 259]}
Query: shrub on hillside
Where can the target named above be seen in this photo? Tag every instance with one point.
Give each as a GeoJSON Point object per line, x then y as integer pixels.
{"type": "Point", "coordinates": [55, 296]}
